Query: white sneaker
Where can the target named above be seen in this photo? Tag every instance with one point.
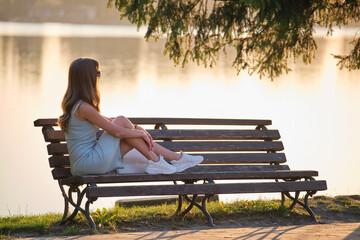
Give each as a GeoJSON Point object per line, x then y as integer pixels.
{"type": "Point", "coordinates": [160, 167]}
{"type": "Point", "coordinates": [186, 161]}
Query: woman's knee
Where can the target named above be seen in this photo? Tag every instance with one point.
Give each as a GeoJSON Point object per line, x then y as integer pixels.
{"type": "Point", "coordinates": [123, 122]}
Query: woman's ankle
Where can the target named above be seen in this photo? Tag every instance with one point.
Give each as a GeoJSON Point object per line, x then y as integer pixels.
{"type": "Point", "coordinates": [177, 156]}
{"type": "Point", "coordinates": [154, 158]}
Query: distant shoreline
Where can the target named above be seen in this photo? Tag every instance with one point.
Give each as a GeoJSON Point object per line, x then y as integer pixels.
{"type": "Point", "coordinates": [110, 30]}
{"type": "Point", "coordinates": [53, 29]}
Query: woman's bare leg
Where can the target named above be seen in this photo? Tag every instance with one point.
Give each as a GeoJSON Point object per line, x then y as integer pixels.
{"type": "Point", "coordinates": [166, 153]}
{"type": "Point", "coordinates": [126, 144]}
{"type": "Point", "coordinates": [140, 145]}
{"type": "Point", "coordinates": [157, 149]}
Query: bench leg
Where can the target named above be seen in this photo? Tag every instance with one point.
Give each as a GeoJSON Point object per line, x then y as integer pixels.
{"type": "Point", "coordinates": [178, 210]}
{"type": "Point", "coordinates": [297, 194]}
{"type": "Point", "coordinates": [66, 210]}
{"type": "Point", "coordinates": [282, 199]}
{"type": "Point", "coordinates": [282, 195]}
{"type": "Point", "coordinates": [202, 207]}
{"type": "Point", "coordinates": [67, 199]}
{"type": "Point", "coordinates": [193, 203]}
{"type": "Point", "coordinates": [304, 204]}
{"type": "Point", "coordinates": [87, 214]}
{"type": "Point", "coordinates": [77, 206]}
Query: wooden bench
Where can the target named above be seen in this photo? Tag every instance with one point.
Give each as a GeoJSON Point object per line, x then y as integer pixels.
{"type": "Point", "coordinates": [234, 149]}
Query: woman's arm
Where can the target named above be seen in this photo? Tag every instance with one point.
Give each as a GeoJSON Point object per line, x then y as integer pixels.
{"type": "Point", "coordinates": [109, 119]}
{"type": "Point", "coordinates": [89, 113]}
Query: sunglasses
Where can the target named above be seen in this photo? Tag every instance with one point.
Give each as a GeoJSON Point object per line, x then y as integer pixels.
{"type": "Point", "coordinates": [99, 74]}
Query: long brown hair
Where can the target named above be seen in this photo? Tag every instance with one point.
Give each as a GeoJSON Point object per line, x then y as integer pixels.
{"type": "Point", "coordinates": [82, 85]}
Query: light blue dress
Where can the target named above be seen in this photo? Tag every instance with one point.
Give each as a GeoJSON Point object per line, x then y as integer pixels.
{"type": "Point", "coordinates": [88, 155]}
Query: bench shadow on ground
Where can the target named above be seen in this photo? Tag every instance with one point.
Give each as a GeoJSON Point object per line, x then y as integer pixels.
{"type": "Point", "coordinates": [260, 232]}
{"type": "Point", "coordinates": [273, 232]}
{"type": "Point", "coordinates": [354, 235]}
{"type": "Point", "coordinates": [233, 233]}
{"type": "Point", "coordinates": [263, 232]}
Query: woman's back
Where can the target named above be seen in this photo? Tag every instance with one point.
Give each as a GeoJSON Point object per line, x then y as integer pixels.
{"type": "Point", "coordinates": [80, 137]}
{"type": "Point", "coordinates": [87, 154]}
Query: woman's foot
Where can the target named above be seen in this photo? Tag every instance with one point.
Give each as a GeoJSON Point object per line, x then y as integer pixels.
{"type": "Point", "coordinates": [186, 161]}
{"type": "Point", "coordinates": [160, 167]}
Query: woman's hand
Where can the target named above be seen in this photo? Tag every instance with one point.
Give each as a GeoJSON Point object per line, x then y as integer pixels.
{"type": "Point", "coordinates": [146, 138]}
{"type": "Point", "coordinates": [151, 140]}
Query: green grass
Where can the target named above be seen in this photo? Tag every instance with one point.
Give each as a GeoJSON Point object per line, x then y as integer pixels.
{"type": "Point", "coordinates": [339, 204]}
{"type": "Point", "coordinates": [37, 224]}
{"type": "Point", "coordinates": [161, 217]}
{"type": "Point", "coordinates": [151, 215]}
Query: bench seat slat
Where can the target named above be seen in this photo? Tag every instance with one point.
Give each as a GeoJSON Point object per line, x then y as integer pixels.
{"type": "Point", "coordinates": [61, 148]}
{"type": "Point", "coordinates": [59, 173]}
{"type": "Point", "coordinates": [196, 175]}
{"type": "Point", "coordinates": [59, 136]}
{"type": "Point", "coordinates": [176, 121]}
{"type": "Point", "coordinates": [60, 161]}
{"type": "Point", "coordinates": [152, 190]}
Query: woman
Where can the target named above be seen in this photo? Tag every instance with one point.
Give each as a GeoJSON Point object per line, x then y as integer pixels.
{"type": "Point", "coordinates": [81, 119]}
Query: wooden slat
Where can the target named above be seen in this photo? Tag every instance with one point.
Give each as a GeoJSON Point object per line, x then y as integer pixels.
{"type": "Point", "coordinates": [223, 146]}
{"type": "Point", "coordinates": [59, 161]}
{"type": "Point", "coordinates": [54, 136]}
{"type": "Point", "coordinates": [57, 149]}
{"type": "Point", "coordinates": [244, 157]}
{"type": "Point", "coordinates": [61, 148]}
{"type": "Point", "coordinates": [60, 173]}
{"type": "Point", "coordinates": [209, 158]}
{"type": "Point", "coordinates": [58, 135]}
{"type": "Point", "coordinates": [176, 121]}
{"type": "Point", "coordinates": [200, 121]}
{"type": "Point", "coordinates": [195, 176]}
{"type": "Point", "coordinates": [152, 190]}
{"type": "Point", "coordinates": [210, 134]}
{"type": "Point", "coordinates": [236, 168]}
{"type": "Point", "coordinates": [41, 122]}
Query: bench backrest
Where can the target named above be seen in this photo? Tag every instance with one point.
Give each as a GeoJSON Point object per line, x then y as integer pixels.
{"type": "Point", "coordinates": [246, 143]}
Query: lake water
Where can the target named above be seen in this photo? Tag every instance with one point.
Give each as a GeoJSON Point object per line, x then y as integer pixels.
{"type": "Point", "coordinates": [315, 107]}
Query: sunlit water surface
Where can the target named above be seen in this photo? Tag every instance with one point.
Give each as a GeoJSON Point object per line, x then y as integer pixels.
{"type": "Point", "coordinates": [315, 107]}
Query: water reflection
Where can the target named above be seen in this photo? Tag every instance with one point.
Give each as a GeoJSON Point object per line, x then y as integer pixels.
{"type": "Point", "coordinates": [119, 57]}
{"type": "Point", "coordinates": [22, 53]}
{"type": "Point", "coordinates": [313, 106]}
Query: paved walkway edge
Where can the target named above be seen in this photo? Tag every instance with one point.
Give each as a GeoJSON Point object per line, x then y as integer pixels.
{"type": "Point", "coordinates": [348, 231]}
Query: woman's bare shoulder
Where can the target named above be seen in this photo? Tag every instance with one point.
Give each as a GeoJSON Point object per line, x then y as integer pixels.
{"type": "Point", "coordinates": [85, 109]}
{"type": "Point", "coordinates": [86, 106]}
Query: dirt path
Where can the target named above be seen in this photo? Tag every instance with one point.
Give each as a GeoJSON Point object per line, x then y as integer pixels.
{"type": "Point", "coordinates": [348, 231]}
